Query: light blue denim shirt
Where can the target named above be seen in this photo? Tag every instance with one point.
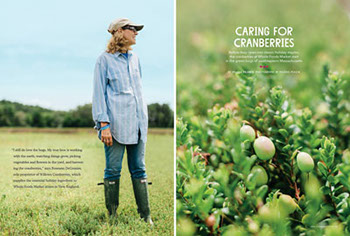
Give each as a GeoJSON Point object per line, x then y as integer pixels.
{"type": "Point", "coordinates": [117, 97]}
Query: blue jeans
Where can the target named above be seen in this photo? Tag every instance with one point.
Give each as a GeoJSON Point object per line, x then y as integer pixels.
{"type": "Point", "coordinates": [136, 160]}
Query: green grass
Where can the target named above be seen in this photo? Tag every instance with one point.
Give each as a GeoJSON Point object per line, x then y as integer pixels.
{"type": "Point", "coordinates": [82, 211]}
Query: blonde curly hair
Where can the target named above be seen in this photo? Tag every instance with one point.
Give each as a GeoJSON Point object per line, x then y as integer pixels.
{"type": "Point", "coordinates": [118, 43]}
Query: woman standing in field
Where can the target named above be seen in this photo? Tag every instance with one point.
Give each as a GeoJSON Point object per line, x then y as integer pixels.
{"type": "Point", "coordinates": [120, 115]}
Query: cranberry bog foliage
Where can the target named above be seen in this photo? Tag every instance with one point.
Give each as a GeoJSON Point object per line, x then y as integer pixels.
{"type": "Point", "coordinates": [290, 177]}
{"type": "Point", "coordinates": [262, 154]}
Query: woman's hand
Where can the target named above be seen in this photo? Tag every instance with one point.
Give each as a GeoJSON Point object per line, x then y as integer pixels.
{"type": "Point", "coordinates": [106, 136]}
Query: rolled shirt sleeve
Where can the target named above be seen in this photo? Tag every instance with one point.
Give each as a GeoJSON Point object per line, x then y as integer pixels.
{"type": "Point", "coordinates": [99, 106]}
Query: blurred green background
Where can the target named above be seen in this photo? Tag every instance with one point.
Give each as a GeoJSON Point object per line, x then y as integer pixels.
{"type": "Point", "coordinates": [205, 33]}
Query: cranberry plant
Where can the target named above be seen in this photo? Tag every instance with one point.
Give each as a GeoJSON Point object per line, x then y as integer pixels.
{"type": "Point", "coordinates": [262, 165]}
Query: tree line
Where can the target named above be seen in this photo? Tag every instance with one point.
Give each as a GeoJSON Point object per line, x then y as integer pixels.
{"type": "Point", "coordinates": [14, 114]}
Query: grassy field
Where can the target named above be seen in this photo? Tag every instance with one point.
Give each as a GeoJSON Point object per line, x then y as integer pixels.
{"type": "Point", "coordinates": [82, 211]}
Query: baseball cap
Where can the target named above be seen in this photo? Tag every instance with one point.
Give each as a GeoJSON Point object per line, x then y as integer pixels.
{"type": "Point", "coordinates": [121, 22]}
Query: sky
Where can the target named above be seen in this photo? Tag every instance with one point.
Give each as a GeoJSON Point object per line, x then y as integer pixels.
{"type": "Point", "coordinates": [48, 49]}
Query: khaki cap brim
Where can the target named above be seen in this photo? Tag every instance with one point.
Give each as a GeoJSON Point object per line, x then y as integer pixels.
{"type": "Point", "coordinates": [121, 22]}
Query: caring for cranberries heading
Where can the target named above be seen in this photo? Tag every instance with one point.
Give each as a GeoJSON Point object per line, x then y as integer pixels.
{"type": "Point", "coordinates": [264, 37]}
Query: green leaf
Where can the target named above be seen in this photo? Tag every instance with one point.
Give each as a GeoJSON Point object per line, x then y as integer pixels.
{"type": "Point", "coordinates": [338, 188]}
{"type": "Point", "coordinates": [209, 192]}
{"type": "Point", "coordinates": [316, 142]}
{"type": "Point", "coordinates": [253, 99]}
{"type": "Point", "coordinates": [287, 148]}
{"type": "Point", "coordinates": [261, 122]}
{"type": "Point", "coordinates": [250, 182]}
{"type": "Point", "coordinates": [207, 204]}
{"type": "Point", "coordinates": [348, 222]}
{"type": "Point", "coordinates": [279, 120]}
{"type": "Point", "coordinates": [258, 111]}
{"type": "Point", "coordinates": [325, 190]}
{"type": "Point", "coordinates": [322, 168]}
{"type": "Point", "coordinates": [284, 133]}
{"type": "Point", "coordinates": [261, 192]}
{"type": "Point", "coordinates": [331, 179]}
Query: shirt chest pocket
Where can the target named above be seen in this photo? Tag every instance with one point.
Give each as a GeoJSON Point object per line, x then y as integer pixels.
{"type": "Point", "coordinates": [120, 82]}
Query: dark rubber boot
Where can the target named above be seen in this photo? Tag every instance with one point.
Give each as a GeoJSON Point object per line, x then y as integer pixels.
{"type": "Point", "coordinates": [112, 196]}
{"type": "Point", "coordinates": [141, 196]}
